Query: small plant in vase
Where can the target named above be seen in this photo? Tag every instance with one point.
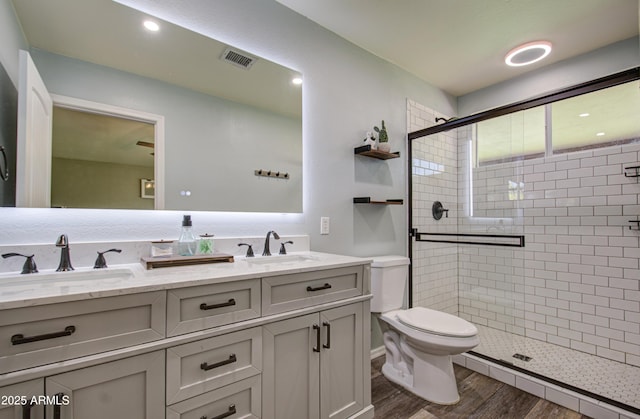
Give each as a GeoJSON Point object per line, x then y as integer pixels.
{"type": "Point", "coordinates": [383, 138]}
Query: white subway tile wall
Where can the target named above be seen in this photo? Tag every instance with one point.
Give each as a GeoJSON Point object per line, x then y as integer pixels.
{"type": "Point", "coordinates": [575, 284]}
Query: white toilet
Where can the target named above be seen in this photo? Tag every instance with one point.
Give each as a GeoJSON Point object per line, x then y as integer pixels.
{"type": "Point", "coordinates": [419, 341]}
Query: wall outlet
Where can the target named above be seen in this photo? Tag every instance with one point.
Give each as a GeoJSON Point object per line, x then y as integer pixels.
{"type": "Point", "coordinates": [324, 225]}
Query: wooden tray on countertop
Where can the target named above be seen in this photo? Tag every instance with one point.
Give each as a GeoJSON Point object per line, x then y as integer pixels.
{"type": "Point", "coordinates": [167, 262]}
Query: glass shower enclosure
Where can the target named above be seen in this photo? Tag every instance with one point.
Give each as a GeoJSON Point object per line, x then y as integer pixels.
{"type": "Point", "coordinates": [516, 215]}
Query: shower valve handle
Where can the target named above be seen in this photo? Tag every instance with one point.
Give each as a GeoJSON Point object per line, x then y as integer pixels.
{"type": "Point", "coordinates": [438, 209]}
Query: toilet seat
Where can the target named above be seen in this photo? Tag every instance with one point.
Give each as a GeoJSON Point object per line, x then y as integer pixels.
{"type": "Point", "coordinates": [436, 322]}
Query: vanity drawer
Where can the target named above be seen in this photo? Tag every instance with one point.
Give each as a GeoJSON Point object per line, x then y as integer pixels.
{"type": "Point", "coordinates": [33, 336]}
{"type": "Point", "coordinates": [238, 400]}
{"type": "Point", "coordinates": [197, 308]}
{"type": "Point", "coordinates": [289, 292]}
{"type": "Point", "coordinates": [212, 363]}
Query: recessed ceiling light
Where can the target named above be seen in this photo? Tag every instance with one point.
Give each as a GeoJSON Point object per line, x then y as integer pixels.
{"type": "Point", "coordinates": [151, 26]}
{"type": "Point", "coordinates": [297, 80]}
{"type": "Point", "coordinates": [528, 53]}
{"type": "Point", "coordinates": [600, 134]}
{"type": "Point", "coordinates": [584, 115]}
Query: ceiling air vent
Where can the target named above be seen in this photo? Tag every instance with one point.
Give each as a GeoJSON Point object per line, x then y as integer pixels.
{"type": "Point", "coordinates": [237, 58]}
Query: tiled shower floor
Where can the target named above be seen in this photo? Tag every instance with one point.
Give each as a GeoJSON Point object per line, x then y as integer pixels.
{"type": "Point", "coordinates": [601, 376]}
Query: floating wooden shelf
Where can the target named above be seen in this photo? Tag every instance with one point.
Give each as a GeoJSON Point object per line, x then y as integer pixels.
{"type": "Point", "coordinates": [366, 150]}
{"type": "Point", "coordinates": [167, 262]}
{"type": "Point", "coordinates": [367, 200]}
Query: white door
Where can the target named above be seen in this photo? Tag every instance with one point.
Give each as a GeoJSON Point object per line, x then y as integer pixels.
{"type": "Point", "coordinates": [35, 112]}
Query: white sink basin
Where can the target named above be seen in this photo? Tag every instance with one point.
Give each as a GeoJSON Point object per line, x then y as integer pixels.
{"type": "Point", "coordinates": [84, 274]}
{"type": "Point", "coordinates": [280, 259]}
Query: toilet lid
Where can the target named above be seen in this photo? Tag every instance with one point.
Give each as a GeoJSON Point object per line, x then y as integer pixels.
{"type": "Point", "coordinates": [436, 322]}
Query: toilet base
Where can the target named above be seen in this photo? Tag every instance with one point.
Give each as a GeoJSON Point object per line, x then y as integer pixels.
{"type": "Point", "coordinates": [428, 376]}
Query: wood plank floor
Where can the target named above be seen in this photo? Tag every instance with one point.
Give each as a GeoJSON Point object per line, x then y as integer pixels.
{"type": "Point", "coordinates": [480, 397]}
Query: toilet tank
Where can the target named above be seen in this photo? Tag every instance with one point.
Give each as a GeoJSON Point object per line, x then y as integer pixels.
{"type": "Point", "coordinates": [388, 282]}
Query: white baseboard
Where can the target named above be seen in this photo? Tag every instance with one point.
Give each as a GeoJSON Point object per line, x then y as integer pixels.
{"type": "Point", "coordinates": [376, 352]}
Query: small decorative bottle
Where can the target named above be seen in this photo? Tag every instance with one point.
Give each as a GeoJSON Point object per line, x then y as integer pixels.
{"type": "Point", "coordinates": [187, 241]}
{"type": "Point", "coordinates": [205, 245]}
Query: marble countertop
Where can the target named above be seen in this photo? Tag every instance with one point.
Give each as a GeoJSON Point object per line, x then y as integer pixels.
{"type": "Point", "coordinates": [48, 286]}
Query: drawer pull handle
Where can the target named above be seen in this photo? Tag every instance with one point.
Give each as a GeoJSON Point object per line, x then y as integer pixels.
{"type": "Point", "coordinates": [328, 344]}
{"type": "Point", "coordinates": [206, 367]}
{"type": "Point", "coordinates": [231, 302]}
{"type": "Point", "coordinates": [26, 410]}
{"type": "Point", "coordinates": [56, 407]}
{"type": "Point", "coordinates": [230, 412]}
{"type": "Point", "coordinates": [317, 329]}
{"type": "Point", "coordinates": [19, 339]}
{"type": "Point", "coordinates": [323, 287]}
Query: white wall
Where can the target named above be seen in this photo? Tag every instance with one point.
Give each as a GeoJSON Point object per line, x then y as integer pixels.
{"type": "Point", "coordinates": [346, 91]}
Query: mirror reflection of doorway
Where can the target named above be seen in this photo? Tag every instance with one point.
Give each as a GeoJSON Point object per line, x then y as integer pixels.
{"type": "Point", "coordinates": [8, 135]}
{"type": "Point", "coordinates": [99, 160]}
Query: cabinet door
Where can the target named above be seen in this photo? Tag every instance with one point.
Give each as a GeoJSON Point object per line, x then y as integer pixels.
{"type": "Point", "coordinates": [341, 362]}
{"type": "Point", "coordinates": [131, 388]}
{"type": "Point", "coordinates": [15, 400]}
{"type": "Point", "coordinates": [290, 376]}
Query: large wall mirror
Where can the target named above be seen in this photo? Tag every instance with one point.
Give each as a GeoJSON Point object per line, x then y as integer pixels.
{"type": "Point", "coordinates": [231, 131]}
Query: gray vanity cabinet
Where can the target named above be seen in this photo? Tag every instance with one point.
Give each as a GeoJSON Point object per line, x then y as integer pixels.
{"type": "Point", "coordinates": [313, 365]}
{"type": "Point", "coordinates": [290, 344]}
{"type": "Point", "coordinates": [15, 400]}
{"type": "Point", "coordinates": [126, 388]}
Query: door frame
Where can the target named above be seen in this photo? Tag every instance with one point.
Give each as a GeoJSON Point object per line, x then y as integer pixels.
{"type": "Point", "coordinates": [157, 121]}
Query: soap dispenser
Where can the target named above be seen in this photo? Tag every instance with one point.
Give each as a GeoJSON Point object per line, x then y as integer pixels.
{"type": "Point", "coordinates": [187, 241]}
